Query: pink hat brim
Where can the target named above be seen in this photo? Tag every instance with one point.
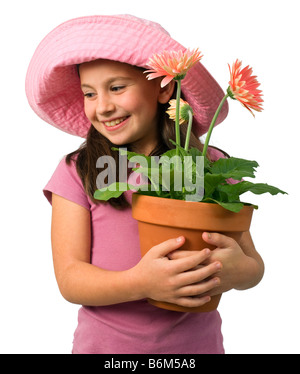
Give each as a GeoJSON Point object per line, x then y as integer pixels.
{"type": "Point", "coordinates": [52, 82]}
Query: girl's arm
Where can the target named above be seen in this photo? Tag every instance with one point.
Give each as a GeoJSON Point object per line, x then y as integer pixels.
{"type": "Point", "coordinates": [154, 276]}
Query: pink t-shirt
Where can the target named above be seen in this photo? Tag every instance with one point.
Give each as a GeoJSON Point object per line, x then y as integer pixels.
{"type": "Point", "coordinates": [133, 327]}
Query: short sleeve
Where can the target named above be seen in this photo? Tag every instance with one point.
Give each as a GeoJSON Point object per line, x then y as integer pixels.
{"type": "Point", "coordinates": [66, 183]}
{"type": "Point", "coordinates": [216, 153]}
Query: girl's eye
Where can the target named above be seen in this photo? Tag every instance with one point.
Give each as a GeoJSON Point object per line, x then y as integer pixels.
{"type": "Point", "coordinates": [117, 88]}
{"type": "Point", "coordinates": [89, 95]}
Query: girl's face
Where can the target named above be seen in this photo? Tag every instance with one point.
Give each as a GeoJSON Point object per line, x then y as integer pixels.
{"type": "Point", "coordinates": [121, 103]}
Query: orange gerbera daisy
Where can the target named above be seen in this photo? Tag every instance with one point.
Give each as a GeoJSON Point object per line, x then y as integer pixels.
{"type": "Point", "coordinates": [243, 87]}
{"type": "Point", "coordinates": [172, 64]}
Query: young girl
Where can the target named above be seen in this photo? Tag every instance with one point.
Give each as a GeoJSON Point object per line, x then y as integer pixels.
{"type": "Point", "coordinates": [86, 78]}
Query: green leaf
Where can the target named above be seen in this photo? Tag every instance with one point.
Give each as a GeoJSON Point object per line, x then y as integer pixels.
{"type": "Point", "coordinates": [194, 152]}
{"type": "Point", "coordinates": [129, 154]}
{"type": "Point", "coordinates": [233, 207]}
{"type": "Point", "coordinates": [235, 190]}
{"type": "Point", "coordinates": [211, 182]}
{"type": "Point", "coordinates": [182, 151]}
{"type": "Point", "coordinates": [236, 168]}
{"type": "Point", "coordinates": [137, 158]}
{"type": "Point", "coordinates": [172, 152]}
{"type": "Point", "coordinates": [113, 191]}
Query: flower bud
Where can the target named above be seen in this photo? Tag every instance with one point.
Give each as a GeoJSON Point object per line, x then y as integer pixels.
{"type": "Point", "coordinates": [184, 112]}
{"type": "Point", "coordinates": [185, 108]}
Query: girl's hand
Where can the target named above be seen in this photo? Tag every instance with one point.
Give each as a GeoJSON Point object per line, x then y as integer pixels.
{"type": "Point", "coordinates": [242, 266]}
{"type": "Point", "coordinates": [179, 281]}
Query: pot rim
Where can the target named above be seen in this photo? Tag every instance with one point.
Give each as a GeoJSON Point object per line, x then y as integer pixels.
{"type": "Point", "coordinates": [189, 214]}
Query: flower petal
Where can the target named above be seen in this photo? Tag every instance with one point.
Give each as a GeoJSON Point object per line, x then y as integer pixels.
{"type": "Point", "coordinates": [166, 81]}
{"type": "Point", "coordinates": [244, 87]}
{"type": "Point", "coordinates": [172, 64]}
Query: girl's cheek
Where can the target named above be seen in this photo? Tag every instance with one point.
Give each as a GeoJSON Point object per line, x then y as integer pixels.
{"type": "Point", "coordinates": [88, 110]}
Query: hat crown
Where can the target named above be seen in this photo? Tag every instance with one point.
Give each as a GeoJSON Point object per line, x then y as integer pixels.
{"type": "Point", "coordinates": [144, 21]}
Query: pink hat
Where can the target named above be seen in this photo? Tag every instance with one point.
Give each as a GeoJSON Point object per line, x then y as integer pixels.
{"type": "Point", "coordinates": [52, 82]}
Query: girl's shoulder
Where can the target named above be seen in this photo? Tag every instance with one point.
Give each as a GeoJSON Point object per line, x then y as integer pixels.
{"type": "Point", "coordinates": [66, 182]}
{"type": "Point", "coordinates": [215, 153]}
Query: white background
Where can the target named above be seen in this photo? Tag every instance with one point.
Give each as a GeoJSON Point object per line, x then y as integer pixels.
{"type": "Point", "coordinates": [34, 318]}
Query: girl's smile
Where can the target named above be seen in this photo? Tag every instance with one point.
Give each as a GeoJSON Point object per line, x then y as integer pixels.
{"type": "Point", "coordinates": [114, 123]}
{"type": "Point", "coordinates": [121, 103]}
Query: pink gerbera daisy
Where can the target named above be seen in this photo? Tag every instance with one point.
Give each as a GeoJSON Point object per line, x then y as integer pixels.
{"type": "Point", "coordinates": [172, 65]}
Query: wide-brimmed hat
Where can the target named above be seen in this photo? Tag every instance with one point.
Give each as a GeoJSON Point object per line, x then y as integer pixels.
{"type": "Point", "coordinates": [52, 81]}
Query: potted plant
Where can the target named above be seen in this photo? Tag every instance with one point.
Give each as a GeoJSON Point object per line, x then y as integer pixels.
{"type": "Point", "coordinates": [184, 191]}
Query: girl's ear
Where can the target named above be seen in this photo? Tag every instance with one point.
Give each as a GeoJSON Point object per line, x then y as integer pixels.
{"type": "Point", "coordinates": [166, 92]}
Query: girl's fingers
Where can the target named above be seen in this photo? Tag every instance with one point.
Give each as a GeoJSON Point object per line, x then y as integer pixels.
{"type": "Point", "coordinates": [164, 248]}
{"type": "Point", "coordinates": [200, 274]}
{"type": "Point", "coordinates": [199, 288]}
{"type": "Point", "coordinates": [218, 239]}
{"type": "Point", "coordinates": [191, 261]}
{"type": "Point", "coordinates": [179, 253]}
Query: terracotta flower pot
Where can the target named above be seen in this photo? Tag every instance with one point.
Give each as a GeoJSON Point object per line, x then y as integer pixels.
{"type": "Point", "coordinates": [160, 219]}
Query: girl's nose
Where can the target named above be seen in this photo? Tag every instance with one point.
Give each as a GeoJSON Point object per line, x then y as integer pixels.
{"type": "Point", "coordinates": [105, 106]}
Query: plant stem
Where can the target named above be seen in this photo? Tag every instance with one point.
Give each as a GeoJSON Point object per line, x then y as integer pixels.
{"type": "Point", "coordinates": [189, 129]}
{"type": "Point", "coordinates": [177, 130]}
{"type": "Point", "coordinates": [213, 124]}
